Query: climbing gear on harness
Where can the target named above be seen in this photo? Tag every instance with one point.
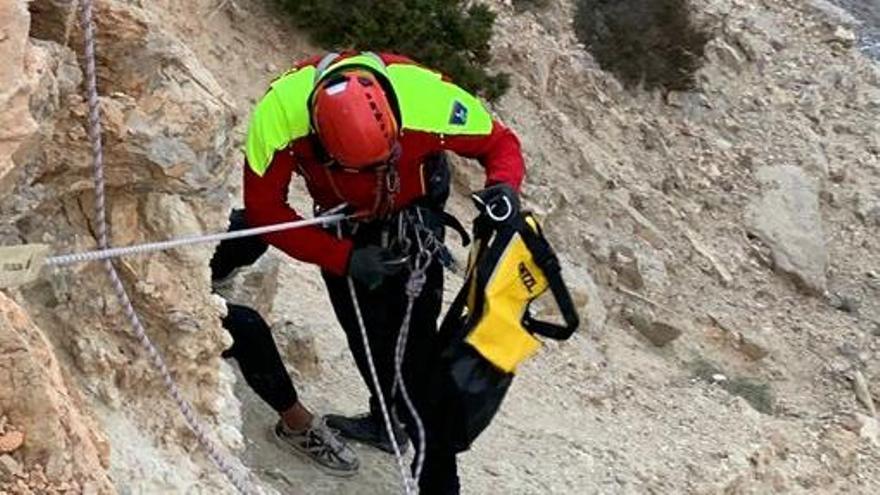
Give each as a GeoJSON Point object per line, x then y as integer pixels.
{"type": "Point", "coordinates": [367, 428]}
{"type": "Point", "coordinates": [488, 330]}
{"type": "Point", "coordinates": [353, 119]}
{"type": "Point", "coordinates": [370, 265]}
{"type": "Point", "coordinates": [498, 202]}
{"type": "Point", "coordinates": [318, 444]}
{"type": "Point", "coordinates": [427, 246]}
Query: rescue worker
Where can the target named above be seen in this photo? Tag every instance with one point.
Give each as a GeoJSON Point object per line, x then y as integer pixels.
{"type": "Point", "coordinates": [369, 131]}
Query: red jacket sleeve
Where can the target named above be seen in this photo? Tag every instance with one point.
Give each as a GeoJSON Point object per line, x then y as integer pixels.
{"type": "Point", "coordinates": [265, 202]}
{"type": "Point", "coordinates": [499, 153]}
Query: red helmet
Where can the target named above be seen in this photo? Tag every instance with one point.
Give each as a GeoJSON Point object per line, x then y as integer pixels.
{"type": "Point", "coordinates": [353, 119]}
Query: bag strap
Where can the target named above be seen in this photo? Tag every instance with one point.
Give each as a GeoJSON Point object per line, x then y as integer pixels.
{"type": "Point", "coordinates": [547, 261]}
{"type": "Point", "coordinates": [449, 220]}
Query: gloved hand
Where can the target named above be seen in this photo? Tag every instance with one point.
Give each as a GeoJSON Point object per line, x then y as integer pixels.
{"type": "Point", "coordinates": [498, 201]}
{"type": "Point", "coordinates": [371, 264]}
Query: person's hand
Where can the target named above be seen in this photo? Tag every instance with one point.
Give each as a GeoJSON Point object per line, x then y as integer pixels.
{"type": "Point", "coordinates": [371, 264]}
{"type": "Point", "coordinates": [499, 201]}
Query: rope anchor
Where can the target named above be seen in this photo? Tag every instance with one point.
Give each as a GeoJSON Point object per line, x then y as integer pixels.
{"type": "Point", "coordinates": [20, 265]}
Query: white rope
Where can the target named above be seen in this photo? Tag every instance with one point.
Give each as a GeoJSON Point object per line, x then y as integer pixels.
{"type": "Point", "coordinates": [386, 417]}
{"type": "Point", "coordinates": [426, 250]}
{"type": "Point", "coordinates": [413, 288]}
{"type": "Point", "coordinates": [237, 479]}
{"type": "Point", "coordinates": [103, 254]}
{"type": "Point", "coordinates": [414, 285]}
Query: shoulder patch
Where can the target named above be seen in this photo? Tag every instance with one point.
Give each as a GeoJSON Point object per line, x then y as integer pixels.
{"type": "Point", "coordinates": [459, 113]}
{"type": "Point", "coordinates": [428, 103]}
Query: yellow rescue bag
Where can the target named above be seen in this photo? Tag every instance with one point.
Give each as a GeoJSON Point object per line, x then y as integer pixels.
{"type": "Point", "coordinates": [488, 330]}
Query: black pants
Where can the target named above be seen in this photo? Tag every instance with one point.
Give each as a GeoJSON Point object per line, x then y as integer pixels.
{"type": "Point", "coordinates": [383, 311]}
{"type": "Point", "coordinates": [257, 355]}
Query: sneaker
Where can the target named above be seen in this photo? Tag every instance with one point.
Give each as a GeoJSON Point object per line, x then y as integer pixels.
{"type": "Point", "coordinates": [368, 429]}
{"type": "Point", "coordinates": [319, 444]}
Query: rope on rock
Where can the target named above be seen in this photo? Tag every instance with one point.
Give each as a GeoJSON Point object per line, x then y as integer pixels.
{"type": "Point", "coordinates": [237, 479]}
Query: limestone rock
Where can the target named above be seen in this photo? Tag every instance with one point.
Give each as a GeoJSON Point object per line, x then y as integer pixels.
{"type": "Point", "coordinates": [838, 15]}
{"type": "Point", "coordinates": [16, 82]}
{"type": "Point", "coordinates": [143, 71]}
{"type": "Point", "coordinates": [721, 53]}
{"type": "Point", "coordinates": [753, 343]}
{"type": "Point", "coordinates": [596, 314]}
{"type": "Point", "coordinates": [625, 263]}
{"type": "Point", "coordinates": [869, 428]}
{"type": "Point", "coordinates": [298, 346]}
{"type": "Point", "coordinates": [701, 248]}
{"type": "Point", "coordinates": [786, 217]}
{"type": "Point", "coordinates": [772, 90]}
{"type": "Point", "coordinates": [52, 19]}
{"type": "Point", "coordinates": [863, 393]}
{"type": "Point", "coordinates": [640, 320]}
{"type": "Point", "coordinates": [34, 394]}
{"type": "Point", "coordinates": [753, 346]}
{"type": "Point", "coordinates": [254, 286]}
{"type": "Point", "coordinates": [10, 441]}
{"type": "Point", "coordinates": [868, 208]}
{"type": "Point", "coordinates": [262, 282]}
{"type": "Point", "coordinates": [9, 467]}
{"type": "Point", "coordinates": [844, 36]}
{"type": "Point", "coordinates": [658, 332]}
{"type": "Point", "coordinates": [662, 333]}
{"type": "Point", "coordinates": [168, 148]}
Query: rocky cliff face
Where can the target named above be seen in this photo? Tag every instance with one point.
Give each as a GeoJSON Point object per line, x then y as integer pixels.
{"type": "Point", "coordinates": [168, 149]}
{"type": "Point", "coordinates": [722, 243]}
{"type": "Point", "coordinates": [63, 448]}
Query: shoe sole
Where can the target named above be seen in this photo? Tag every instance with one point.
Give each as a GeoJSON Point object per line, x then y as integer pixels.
{"type": "Point", "coordinates": [326, 470]}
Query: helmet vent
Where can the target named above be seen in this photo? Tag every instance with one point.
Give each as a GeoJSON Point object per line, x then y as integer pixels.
{"type": "Point", "coordinates": [337, 88]}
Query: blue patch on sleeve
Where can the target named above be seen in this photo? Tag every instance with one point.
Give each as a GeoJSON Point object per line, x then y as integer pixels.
{"type": "Point", "coordinates": [459, 114]}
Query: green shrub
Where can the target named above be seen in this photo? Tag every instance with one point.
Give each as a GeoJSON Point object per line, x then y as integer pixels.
{"type": "Point", "coordinates": [650, 43]}
{"type": "Point", "coordinates": [446, 35]}
{"type": "Point", "coordinates": [758, 395]}
{"type": "Point", "coordinates": [524, 5]}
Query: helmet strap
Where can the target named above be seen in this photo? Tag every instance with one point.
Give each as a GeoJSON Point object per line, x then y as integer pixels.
{"type": "Point", "coordinates": [387, 187]}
